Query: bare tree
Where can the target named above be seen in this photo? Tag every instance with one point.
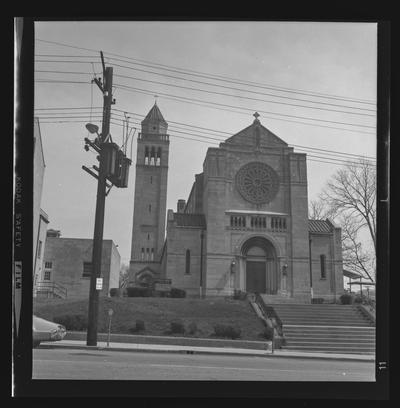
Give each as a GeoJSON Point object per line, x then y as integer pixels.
{"type": "Point", "coordinates": [355, 257]}
{"type": "Point", "coordinates": [349, 199]}
{"type": "Point", "coordinates": [318, 210]}
{"type": "Point", "coordinates": [123, 276]}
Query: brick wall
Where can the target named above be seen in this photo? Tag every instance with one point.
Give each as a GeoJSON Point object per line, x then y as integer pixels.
{"type": "Point", "coordinates": [68, 255]}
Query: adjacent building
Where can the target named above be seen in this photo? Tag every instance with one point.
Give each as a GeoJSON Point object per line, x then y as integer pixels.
{"type": "Point", "coordinates": [244, 225]}
{"type": "Point", "coordinates": [40, 218]}
{"type": "Point", "coordinates": [67, 267]}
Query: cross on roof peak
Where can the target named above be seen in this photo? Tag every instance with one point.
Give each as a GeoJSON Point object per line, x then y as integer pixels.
{"type": "Point", "coordinates": [256, 115]}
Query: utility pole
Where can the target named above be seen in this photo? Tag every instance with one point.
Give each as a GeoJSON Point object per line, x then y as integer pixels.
{"type": "Point", "coordinates": [201, 263]}
{"type": "Point", "coordinates": [106, 88]}
{"type": "Point", "coordinates": [311, 280]}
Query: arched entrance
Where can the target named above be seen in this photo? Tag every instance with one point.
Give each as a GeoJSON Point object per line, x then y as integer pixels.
{"type": "Point", "coordinates": [261, 266]}
{"type": "Point", "coordinates": [145, 277]}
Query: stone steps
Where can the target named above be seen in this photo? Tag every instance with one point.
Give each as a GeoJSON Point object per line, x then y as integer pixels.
{"type": "Point", "coordinates": [338, 334]}
{"type": "Point", "coordinates": [325, 328]}
{"type": "Point", "coordinates": [339, 350]}
{"type": "Point", "coordinates": [333, 340]}
{"type": "Point", "coordinates": [324, 322]}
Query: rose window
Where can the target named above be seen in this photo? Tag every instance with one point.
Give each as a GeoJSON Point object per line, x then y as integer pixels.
{"type": "Point", "coordinates": [257, 182]}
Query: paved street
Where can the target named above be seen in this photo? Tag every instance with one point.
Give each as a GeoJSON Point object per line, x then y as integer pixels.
{"type": "Point", "coordinates": [119, 365]}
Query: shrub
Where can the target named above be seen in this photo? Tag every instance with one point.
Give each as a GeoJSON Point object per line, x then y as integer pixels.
{"type": "Point", "coordinates": [76, 322]}
{"type": "Point", "coordinates": [222, 330]}
{"type": "Point", "coordinates": [268, 333]}
{"type": "Point", "coordinates": [177, 326]}
{"type": "Point", "coordinates": [177, 293]}
{"type": "Point", "coordinates": [115, 292]}
{"type": "Point", "coordinates": [136, 291]}
{"type": "Point", "coordinates": [360, 299]}
{"type": "Point", "coordinates": [346, 299]}
{"type": "Point", "coordinates": [239, 294]}
{"type": "Point", "coordinates": [317, 300]}
{"type": "Point", "coordinates": [192, 328]}
{"type": "Point", "coordinates": [139, 326]}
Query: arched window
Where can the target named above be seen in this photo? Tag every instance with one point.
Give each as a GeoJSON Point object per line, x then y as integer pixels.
{"type": "Point", "coordinates": [323, 266]}
{"type": "Point", "coordinates": [153, 156]}
{"type": "Point", "coordinates": [147, 254]}
{"type": "Point", "coordinates": [158, 161]}
{"type": "Point", "coordinates": [146, 155]}
{"type": "Point", "coordinates": [152, 254]}
{"type": "Point", "coordinates": [187, 269]}
{"type": "Point", "coordinates": [142, 257]}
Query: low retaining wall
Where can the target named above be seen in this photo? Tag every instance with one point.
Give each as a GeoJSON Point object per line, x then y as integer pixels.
{"type": "Point", "coordinates": [169, 340]}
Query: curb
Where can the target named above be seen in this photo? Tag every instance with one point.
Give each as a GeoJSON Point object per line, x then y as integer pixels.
{"type": "Point", "coordinates": [183, 351]}
{"type": "Point", "coordinates": [146, 350]}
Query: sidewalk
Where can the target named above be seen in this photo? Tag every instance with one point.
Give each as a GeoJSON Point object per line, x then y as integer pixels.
{"type": "Point", "coordinates": [114, 346]}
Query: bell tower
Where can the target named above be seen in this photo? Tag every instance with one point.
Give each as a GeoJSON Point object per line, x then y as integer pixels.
{"type": "Point", "coordinates": [148, 232]}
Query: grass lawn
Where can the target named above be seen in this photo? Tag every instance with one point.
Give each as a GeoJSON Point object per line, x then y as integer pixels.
{"type": "Point", "coordinates": [157, 313]}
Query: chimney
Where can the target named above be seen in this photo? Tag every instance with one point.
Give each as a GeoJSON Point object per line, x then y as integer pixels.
{"type": "Point", "coordinates": [53, 233]}
{"type": "Point", "coordinates": [181, 206]}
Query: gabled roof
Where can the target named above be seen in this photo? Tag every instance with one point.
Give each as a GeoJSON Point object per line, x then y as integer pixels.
{"type": "Point", "coordinates": [154, 115]}
{"type": "Point", "coordinates": [190, 220]}
{"type": "Point", "coordinates": [319, 226]}
{"type": "Point", "coordinates": [248, 136]}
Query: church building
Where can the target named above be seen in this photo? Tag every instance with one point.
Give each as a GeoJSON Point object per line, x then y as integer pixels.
{"type": "Point", "coordinates": [244, 225]}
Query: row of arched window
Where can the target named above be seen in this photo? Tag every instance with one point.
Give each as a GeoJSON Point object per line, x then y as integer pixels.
{"type": "Point", "coordinates": [152, 156]}
{"type": "Point", "coordinates": [258, 222]}
{"type": "Point", "coordinates": [238, 221]}
{"type": "Point", "coordinates": [278, 223]}
{"type": "Point", "coordinates": [147, 254]}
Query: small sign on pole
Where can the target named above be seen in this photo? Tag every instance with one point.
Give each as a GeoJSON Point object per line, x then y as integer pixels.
{"type": "Point", "coordinates": [99, 283]}
{"type": "Point", "coordinates": [110, 313]}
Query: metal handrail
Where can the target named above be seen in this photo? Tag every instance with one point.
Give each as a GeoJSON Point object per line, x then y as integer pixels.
{"type": "Point", "coordinates": [52, 287]}
{"type": "Point", "coordinates": [270, 313]}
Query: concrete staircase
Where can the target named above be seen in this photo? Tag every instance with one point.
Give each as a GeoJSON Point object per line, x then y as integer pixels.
{"type": "Point", "coordinates": [325, 327]}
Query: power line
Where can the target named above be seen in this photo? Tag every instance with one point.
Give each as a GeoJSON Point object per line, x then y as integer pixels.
{"type": "Point", "coordinates": [202, 129]}
{"type": "Point", "coordinates": [207, 104]}
{"type": "Point", "coordinates": [332, 160]}
{"type": "Point", "coordinates": [239, 81]}
{"type": "Point", "coordinates": [230, 134]}
{"type": "Point", "coordinates": [215, 76]}
{"type": "Point", "coordinates": [231, 96]}
{"type": "Point", "coordinates": [336, 153]}
{"type": "Point", "coordinates": [216, 85]}
{"type": "Point", "coordinates": [56, 81]}
{"type": "Point", "coordinates": [126, 87]}
{"type": "Point", "coordinates": [212, 143]}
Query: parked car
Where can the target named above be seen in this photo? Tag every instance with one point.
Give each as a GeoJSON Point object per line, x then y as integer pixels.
{"type": "Point", "coordinates": [44, 330]}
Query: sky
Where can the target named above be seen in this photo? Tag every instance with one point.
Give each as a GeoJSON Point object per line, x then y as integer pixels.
{"type": "Point", "coordinates": [209, 78]}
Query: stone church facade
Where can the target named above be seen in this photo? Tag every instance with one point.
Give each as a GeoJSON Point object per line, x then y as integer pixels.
{"type": "Point", "coordinates": [244, 225]}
